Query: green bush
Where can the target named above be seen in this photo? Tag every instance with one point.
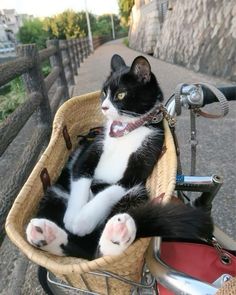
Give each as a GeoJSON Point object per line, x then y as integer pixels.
{"type": "Point", "coordinates": [13, 94]}
{"type": "Point", "coordinates": [33, 31]}
{"type": "Point", "coordinates": [46, 68]}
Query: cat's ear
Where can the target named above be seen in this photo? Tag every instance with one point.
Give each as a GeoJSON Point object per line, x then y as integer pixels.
{"type": "Point", "coordinates": [117, 62]}
{"type": "Point", "coordinates": [141, 68]}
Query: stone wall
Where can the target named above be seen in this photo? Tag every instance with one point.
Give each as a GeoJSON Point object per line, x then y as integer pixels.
{"type": "Point", "coordinates": [198, 34]}
{"type": "Point", "coordinates": [145, 26]}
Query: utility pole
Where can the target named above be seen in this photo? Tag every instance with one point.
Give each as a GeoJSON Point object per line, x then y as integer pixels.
{"type": "Point", "coordinates": [89, 27]}
{"type": "Point", "coordinates": [112, 26]}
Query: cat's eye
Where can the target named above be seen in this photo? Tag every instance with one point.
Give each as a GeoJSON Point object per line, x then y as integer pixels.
{"type": "Point", "coordinates": [104, 94]}
{"type": "Point", "coordinates": [121, 95]}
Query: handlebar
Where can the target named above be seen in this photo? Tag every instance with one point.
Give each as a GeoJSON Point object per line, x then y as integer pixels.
{"type": "Point", "coordinates": [209, 97]}
{"type": "Point", "coordinates": [199, 95]}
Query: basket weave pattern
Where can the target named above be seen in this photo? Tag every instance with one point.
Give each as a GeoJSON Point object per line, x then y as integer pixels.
{"type": "Point", "coordinates": [79, 114]}
{"type": "Point", "coordinates": [229, 288]}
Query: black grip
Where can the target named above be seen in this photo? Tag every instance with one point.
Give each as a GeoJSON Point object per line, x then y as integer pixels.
{"type": "Point", "coordinates": [209, 96]}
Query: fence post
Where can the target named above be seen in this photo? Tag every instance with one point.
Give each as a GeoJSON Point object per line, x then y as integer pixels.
{"type": "Point", "coordinates": [64, 44]}
{"type": "Point", "coordinates": [76, 52]}
{"type": "Point", "coordinates": [89, 48]}
{"type": "Point", "coordinates": [56, 61]}
{"type": "Point", "coordinates": [81, 49]}
{"type": "Point", "coordinates": [72, 54]}
{"type": "Point", "coordinates": [87, 45]}
{"type": "Point", "coordinates": [84, 48]}
{"type": "Point", "coordinates": [34, 82]}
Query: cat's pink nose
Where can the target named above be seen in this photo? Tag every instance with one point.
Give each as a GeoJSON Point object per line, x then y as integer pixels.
{"type": "Point", "coordinates": [105, 108]}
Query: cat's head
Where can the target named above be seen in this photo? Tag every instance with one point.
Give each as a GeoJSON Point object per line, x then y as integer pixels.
{"type": "Point", "coordinates": [129, 92]}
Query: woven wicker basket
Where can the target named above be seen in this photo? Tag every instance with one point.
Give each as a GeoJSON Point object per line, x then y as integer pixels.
{"type": "Point", "coordinates": [75, 117]}
{"type": "Point", "coordinates": [229, 288]}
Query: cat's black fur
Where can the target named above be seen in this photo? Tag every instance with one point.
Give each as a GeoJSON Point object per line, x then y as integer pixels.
{"type": "Point", "coordinates": [152, 219]}
{"type": "Point", "coordinates": [140, 98]}
{"type": "Point", "coordinates": [142, 94]}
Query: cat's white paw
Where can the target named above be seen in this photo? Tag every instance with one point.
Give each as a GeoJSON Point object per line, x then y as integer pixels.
{"type": "Point", "coordinates": [79, 197]}
{"type": "Point", "coordinates": [81, 224]}
{"type": "Point", "coordinates": [70, 220]}
{"type": "Point", "coordinates": [83, 220]}
{"type": "Point", "coordinates": [86, 224]}
{"type": "Point", "coordinates": [46, 235]}
{"type": "Point", "coordinates": [118, 234]}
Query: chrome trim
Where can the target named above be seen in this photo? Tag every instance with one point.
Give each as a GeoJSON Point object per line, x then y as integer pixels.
{"type": "Point", "coordinates": [61, 285]}
{"type": "Point", "coordinates": [171, 108]}
{"type": "Point", "coordinates": [106, 275]}
{"type": "Point", "coordinates": [221, 280]}
{"type": "Point", "coordinates": [224, 240]}
{"type": "Point", "coordinates": [191, 95]}
{"type": "Point", "coordinates": [109, 274]}
{"type": "Point", "coordinates": [175, 281]}
{"type": "Point", "coordinates": [198, 179]}
{"type": "Point", "coordinates": [207, 185]}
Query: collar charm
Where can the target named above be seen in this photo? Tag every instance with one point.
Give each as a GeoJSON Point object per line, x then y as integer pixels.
{"type": "Point", "coordinates": [119, 129]}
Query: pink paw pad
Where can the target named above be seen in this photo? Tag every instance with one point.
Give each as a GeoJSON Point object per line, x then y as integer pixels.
{"type": "Point", "coordinates": [40, 232]}
{"type": "Point", "coordinates": [118, 234]}
{"type": "Point", "coordinates": [116, 228]}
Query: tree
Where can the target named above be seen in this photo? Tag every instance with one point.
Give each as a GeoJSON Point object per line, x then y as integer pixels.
{"type": "Point", "coordinates": [68, 24]}
{"type": "Point", "coordinates": [104, 26]}
{"type": "Point", "coordinates": [125, 7]}
{"type": "Point", "coordinates": [82, 21]}
{"type": "Point", "coordinates": [33, 31]}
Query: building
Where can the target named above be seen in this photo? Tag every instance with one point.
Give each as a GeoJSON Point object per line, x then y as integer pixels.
{"type": "Point", "coordinates": [10, 22]}
{"type": "Point", "coordinates": [23, 17]}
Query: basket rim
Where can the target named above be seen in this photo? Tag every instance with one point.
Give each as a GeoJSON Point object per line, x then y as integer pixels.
{"type": "Point", "coordinates": [48, 260]}
{"type": "Point", "coordinates": [59, 116]}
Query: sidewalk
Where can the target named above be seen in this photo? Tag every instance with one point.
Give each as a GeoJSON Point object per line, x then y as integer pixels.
{"type": "Point", "coordinates": [216, 147]}
{"type": "Point", "coordinates": [96, 68]}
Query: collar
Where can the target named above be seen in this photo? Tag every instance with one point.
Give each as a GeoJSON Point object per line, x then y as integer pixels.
{"type": "Point", "coordinates": [119, 129]}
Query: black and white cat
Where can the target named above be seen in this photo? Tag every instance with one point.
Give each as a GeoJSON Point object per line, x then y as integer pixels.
{"type": "Point", "coordinates": [105, 207]}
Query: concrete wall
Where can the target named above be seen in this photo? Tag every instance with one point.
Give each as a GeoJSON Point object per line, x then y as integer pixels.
{"type": "Point", "coordinates": [198, 34]}
{"type": "Point", "coordinates": [145, 26]}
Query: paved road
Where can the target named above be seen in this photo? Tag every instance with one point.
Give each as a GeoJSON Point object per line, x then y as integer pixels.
{"type": "Point", "coordinates": [217, 149]}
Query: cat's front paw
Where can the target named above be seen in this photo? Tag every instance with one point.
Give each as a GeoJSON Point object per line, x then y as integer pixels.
{"type": "Point", "coordinates": [118, 234]}
{"type": "Point", "coordinates": [46, 235]}
{"type": "Point", "coordinates": [70, 220]}
{"type": "Point", "coordinates": [82, 224]}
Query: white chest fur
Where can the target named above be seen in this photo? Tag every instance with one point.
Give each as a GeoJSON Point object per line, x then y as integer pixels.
{"type": "Point", "coordinates": [116, 153]}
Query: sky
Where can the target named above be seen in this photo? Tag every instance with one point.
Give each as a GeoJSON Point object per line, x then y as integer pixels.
{"type": "Point", "coordinates": [41, 8]}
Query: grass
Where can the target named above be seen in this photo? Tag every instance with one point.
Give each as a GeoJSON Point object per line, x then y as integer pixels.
{"type": "Point", "coordinates": [11, 96]}
{"type": "Point", "coordinates": [46, 68]}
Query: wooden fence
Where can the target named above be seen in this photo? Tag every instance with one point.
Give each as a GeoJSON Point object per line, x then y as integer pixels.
{"type": "Point", "coordinates": [25, 133]}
